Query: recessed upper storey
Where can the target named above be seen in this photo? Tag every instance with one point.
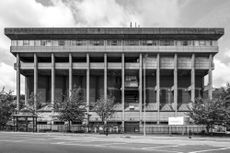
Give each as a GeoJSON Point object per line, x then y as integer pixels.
{"type": "Point", "coordinates": [114, 33]}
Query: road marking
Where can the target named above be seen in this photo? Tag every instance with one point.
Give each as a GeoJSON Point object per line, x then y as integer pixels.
{"type": "Point", "coordinates": [58, 143]}
{"type": "Point", "coordinates": [208, 150]}
{"type": "Point", "coordinates": [107, 145]}
{"type": "Point", "coordinates": [113, 143]}
{"type": "Point", "coordinates": [12, 140]}
{"type": "Point", "coordinates": [160, 146]}
{"type": "Point", "coordinates": [161, 150]}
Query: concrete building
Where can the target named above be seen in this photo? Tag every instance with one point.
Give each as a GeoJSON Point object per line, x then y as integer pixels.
{"type": "Point", "coordinates": [162, 67]}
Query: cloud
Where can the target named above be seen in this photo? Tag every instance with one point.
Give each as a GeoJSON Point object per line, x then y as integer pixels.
{"type": "Point", "coordinates": [7, 78]}
{"type": "Point", "coordinates": [26, 13]}
{"type": "Point", "coordinates": [158, 13]}
{"type": "Point", "coordinates": [120, 12]}
{"type": "Point", "coordinates": [221, 73]}
{"type": "Point", "coordinates": [98, 13]}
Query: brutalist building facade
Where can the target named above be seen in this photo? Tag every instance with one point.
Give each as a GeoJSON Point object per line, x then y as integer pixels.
{"type": "Point", "coordinates": [156, 72]}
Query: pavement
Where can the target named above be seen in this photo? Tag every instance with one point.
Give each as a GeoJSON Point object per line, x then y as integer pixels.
{"type": "Point", "coordinates": [21, 142]}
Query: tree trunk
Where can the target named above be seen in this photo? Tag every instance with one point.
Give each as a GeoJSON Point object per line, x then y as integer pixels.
{"type": "Point", "coordinates": [207, 128]}
{"type": "Point", "coordinates": [69, 127]}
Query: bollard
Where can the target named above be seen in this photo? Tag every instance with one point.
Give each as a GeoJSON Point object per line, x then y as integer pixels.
{"type": "Point", "coordinates": [189, 134]}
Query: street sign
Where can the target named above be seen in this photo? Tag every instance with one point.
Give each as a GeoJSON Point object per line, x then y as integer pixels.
{"type": "Point", "coordinates": [180, 120]}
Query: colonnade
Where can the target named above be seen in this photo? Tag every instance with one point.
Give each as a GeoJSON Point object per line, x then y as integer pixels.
{"type": "Point", "coordinates": [141, 62]}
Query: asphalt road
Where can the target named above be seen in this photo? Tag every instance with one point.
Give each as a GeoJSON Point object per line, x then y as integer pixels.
{"type": "Point", "coordinates": [86, 143]}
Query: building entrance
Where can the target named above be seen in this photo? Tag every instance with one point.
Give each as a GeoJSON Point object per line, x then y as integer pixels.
{"type": "Point", "coordinates": [132, 127]}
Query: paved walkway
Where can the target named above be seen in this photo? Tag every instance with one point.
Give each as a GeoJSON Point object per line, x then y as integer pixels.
{"type": "Point", "coordinates": [125, 143]}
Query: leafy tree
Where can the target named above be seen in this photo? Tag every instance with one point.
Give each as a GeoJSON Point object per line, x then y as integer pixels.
{"type": "Point", "coordinates": [208, 112]}
{"type": "Point", "coordinates": [31, 105]}
{"type": "Point", "coordinates": [225, 96]}
{"type": "Point", "coordinates": [7, 106]}
{"type": "Point", "coordinates": [73, 108]}
{"type": "Point", "coordinates": [104, 108]}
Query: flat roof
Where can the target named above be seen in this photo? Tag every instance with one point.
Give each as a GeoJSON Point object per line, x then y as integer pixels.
{"type": "Point", "coordinates": [113, 33]}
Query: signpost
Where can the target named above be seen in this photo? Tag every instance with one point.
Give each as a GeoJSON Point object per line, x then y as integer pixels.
{"type": "Point", "coordinates": [180, 120]}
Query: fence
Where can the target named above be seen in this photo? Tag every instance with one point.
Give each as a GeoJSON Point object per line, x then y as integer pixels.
{"type": "Point", "coordinates": [166, 129]}
{"type": "Point", "coordinates": [59, 128]}
{"type": "Point", "coordinates": [150, 129]}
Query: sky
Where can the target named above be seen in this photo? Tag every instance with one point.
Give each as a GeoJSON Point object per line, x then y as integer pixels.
{"type": "Point", "coordinates": [114, 13]}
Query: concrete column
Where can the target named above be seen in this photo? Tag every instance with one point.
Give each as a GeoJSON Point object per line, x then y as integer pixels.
{"type": "Point", "coordinates": [26, 91]}
{"type": "Point", "coordinates": [193, 78]}
{"type": "Point", "coordinates": [210, 77]}
{"type": "Point", "coordinates": [70, 74]}
{"type": "Point", "coordinates": [35, 81]}
{"type": "Point", "coordinates": [18, 80]}
{"type": "Point", "coordinates": [158, 88]}
{"type": "Point", "coordinates": [144, 98]}
{"type": "Point", "coordinates": [87, 82]}
{"type": "Point", "coordinates": [105, 77]}
{"type": "Point", "coordinates": [123, 90]}
{"type": "Point", "coordinates": [175, 84]}
{"type": "Point", "coordinates": [140, 87]}
{"type": "Point", "coordinates": [52, 79]}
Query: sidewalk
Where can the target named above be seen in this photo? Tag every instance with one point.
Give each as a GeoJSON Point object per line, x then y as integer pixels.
{"type": "Point", "coordinates": [128, 136]}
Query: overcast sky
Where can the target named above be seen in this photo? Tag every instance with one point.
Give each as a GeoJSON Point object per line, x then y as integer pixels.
{"type": "Point", "coordinates": [77, 13]}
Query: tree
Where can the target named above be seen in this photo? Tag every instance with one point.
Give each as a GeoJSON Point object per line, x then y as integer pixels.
{"type": "Point", "coordinates": [7, 106]}
{"type": "Point", "coordinates": [73, 108]}
{"type": "Point", "coordinates": [31, 105]}
{"type": "Point", "coordinates": [208, 112]}
{"type": "Point", "coordinates": [225, 96]}
{"type": "Point", "coordinates": [104, 108]}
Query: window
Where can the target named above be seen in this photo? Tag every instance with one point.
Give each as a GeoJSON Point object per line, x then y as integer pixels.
{"type": "Point", "coordinates": [25, 42]}
{"type": "Point", "coordinates": [166, 43]}
{"type": "Point", "coordinates": [149, 42]}
{"type": "Point", "coordinates": [54, 43]}
{"type": "Point", "coordinates": [67, 42]}
{"type": "Point", "coordinates": [31, 43]}
{"type": "Point", "coordinates": [97, 42]}
{"type": "Point", "coordinates": [48, 43]}
{"type": "Point", "coordinates": [208, 43]}
{"type": "Point", "coordinates": [202, 43]}
{"type": "Point", "coordinates": [190, 43]}
{"type": "Point", "coordinates": [43, 42]}
{"type": "Point", "coordinates": [184, 43]}
{"type": "Point", "coordinates": [196, 43]}
{"type": "Point", "coordinates": [14, 43]}
{"type": "Point", "coordinates": [37, 43]}
{"type": "Point", "coordinates": [73, 42]}
{"type": "Point", "coordinates": [214, 43]}
{"type": "Point", "coordinates": [132, 42]}
{"type": "Point", "coordinates": [79, 43]}
{"type": "Point", "coordinates": [155, 43]}
{"type": "Point", "coordinates": [61, 42]}
{"type": "Point", "coordinates": [114, 42]}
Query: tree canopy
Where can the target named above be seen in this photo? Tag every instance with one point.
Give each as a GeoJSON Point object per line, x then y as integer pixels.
{"type": "Point", "coordinates": [7, 106]}
{"type": "Point", "coordinates": [73, 108]}
{"type": "Point", "coordinates": [104, 108]}
{"type": "Point", "coordinates": [214, 111]}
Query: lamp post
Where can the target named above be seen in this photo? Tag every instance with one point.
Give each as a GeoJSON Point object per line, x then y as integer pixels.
{"type": "Point", "coordinates": [87, 120]}
{"type": "Point", "coordinates": [144, 119]}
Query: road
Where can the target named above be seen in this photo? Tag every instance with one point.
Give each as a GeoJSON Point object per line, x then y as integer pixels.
{"type": "Point", "coordinates": [87, 143]}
